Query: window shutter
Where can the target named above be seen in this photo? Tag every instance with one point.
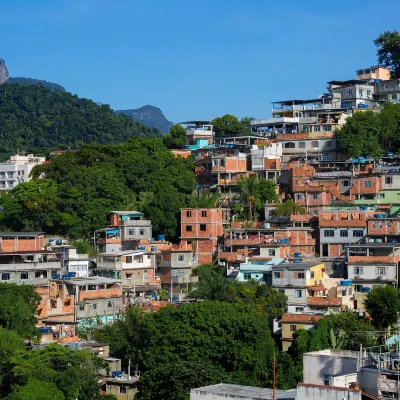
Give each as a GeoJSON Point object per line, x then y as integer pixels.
{"type": "Point", "coordinates": [296, 275]}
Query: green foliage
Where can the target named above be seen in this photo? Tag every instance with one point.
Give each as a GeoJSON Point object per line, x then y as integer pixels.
{"type": "Point", "coordinates": [81, 188]}
{"type": "Point", "coordinates": [87, 327]}
{"type": "Point", "coordinates": [18, 305]}
{"type": "Point", "coordinates": [254, 193]}
{"type": "Point", "coordinates": [36, 390]}
{"type": "Point", "coordinates": [38, 120]}
{"type": "Point", "coordinates": [171, 381]}
{"type": "Point", "coordinates": [84, 247]}
{"type": "Point", "coordinates": [229, 125]}
{"type": "Point", "coordinates": [204, 199]}
{"type": "Point", "coordinates": [360, 134]}
{"type": "Point", "coordinates": [30, 81]}
{"type": "Point", "coordinates": [73, 372]}
{"type": "Point", "coordinates": [337, 338]}
{"type": "Point", "coordinates": [388, 51]}
{"type": "Point", "coordinates": [383, 304]}
{"type": "Point", "coordinates": [176, 138]}
{"type": "Point", "coordinates": [300, 344]}
{"type": "Point", "coordinates": [288, 208]}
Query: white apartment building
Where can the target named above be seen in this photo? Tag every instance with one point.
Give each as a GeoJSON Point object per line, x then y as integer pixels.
{"type": "Point", "coordinates": [17, 170]}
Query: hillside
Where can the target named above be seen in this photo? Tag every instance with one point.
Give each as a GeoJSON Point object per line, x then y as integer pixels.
{"type": "Point", "coordinates": [31, 81]}
{"type": "Point", "coordinates": [36, 119]}
{"type": "Point", "coordinates": [3, 71]}
{"type": "Point", "coordinates": [150, 116]}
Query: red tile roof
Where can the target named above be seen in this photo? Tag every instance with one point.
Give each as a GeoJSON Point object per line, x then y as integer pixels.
{"type": "Point", "coordinates": [304, 318]}
{"type": "Point", "coordinates": [323, 301]}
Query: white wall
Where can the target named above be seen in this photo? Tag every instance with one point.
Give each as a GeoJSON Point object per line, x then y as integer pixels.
{"type": "Point", "coordinates": [326, 393]}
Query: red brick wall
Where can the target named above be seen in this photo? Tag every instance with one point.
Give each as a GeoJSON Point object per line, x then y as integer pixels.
{"type": "Point", "coordinates": [22, 244]}
{"type": "Point", "coordinates": [359, 188]}
{"type": "Point", "coordinates": [233, 164]}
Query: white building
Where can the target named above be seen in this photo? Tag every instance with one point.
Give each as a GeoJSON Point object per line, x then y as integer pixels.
{"type": "Point", "coordinates": [17, 170]}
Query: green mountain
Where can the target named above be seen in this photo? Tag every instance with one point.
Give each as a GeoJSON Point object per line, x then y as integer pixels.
{"type": "Point", "coordinates": [30, 81]}
{"type": "Point", "coordinates": [36, 119]}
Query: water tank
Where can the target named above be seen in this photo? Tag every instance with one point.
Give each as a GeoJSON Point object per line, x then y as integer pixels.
{"type": "Point", "coordinates": [392, 240]}
{"type": "Point", "coordinates": [297, 255]}
{"type": "Point", "coordinates": [66, 277]}
{"type": "Point", "coordinates": [267, 225]}
{"type": "Point", "coordinates": [363, 208]}
{"type": "Point", "coordinates": [116, 374]}
{"type": "Point", "coordinates": [161, 238]}
{"type": "Point", "coordinates": [55, 276]}
{"type": "Point", "coordinates": [297, 261]}
{"type": "Point", "coordinates": [346, 282]}
{"type": "Point", "coordinates": [143, 248]}
{"type": "Point", "coordinates": [379, 215]}
{"type": "Point", "coordinates": [72, 274]}
{"type": "Point", "coordinates": [52, 242]}
{"type": "Point", "coordinates": [365, 289]}
{"type": "Point", "coordinates": [378, 240]}
{"type": "Point", "coordinates": [284, 241]}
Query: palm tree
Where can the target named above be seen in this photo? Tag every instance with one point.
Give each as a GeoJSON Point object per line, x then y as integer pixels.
{"type": "Point", "coordinates": [248, 186]}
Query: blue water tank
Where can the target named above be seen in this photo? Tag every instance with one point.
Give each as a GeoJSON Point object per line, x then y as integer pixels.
{"type": "Point", "coordinates": [365, 289]}
{"type": "Point", "coordinates": [297, 255]}
{"type": "Point", "coordinates": [116, 374]}
{"type": "Point", "coordinates": [346, 282]}
{"type": "Point", "coordinates": [66, 277]}
{"type": "Point", "coordinates": [143, 248]}
{"type": "Point", "coordinates": [55, 276]}
{"type": "Point", "coordinates": [72, 274]}
{"type": "Point", "coordinates": [161, 238]}
{"type": "Point", "coordinates": [392, 240]}
{"type": "Point", "coordinates": [379, 215]}
{"type": "Point", "coordinates": [284, 241]}
{"type": "Point", "coordinates": [363, 208]}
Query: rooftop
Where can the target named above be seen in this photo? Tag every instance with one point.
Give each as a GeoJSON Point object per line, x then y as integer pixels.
{"type": "Point", "coordinates": [122, 253]}
{"type": "Point", "coordinates": [136, 213]}
{"type": "Point", "coordinates": [245, 392]}
{"type": "Point", "coordinates": [305, 318]}
{"type": "Point", "coordinates": [374, 245]}
{"type": "Point", "coordinates": [94, 280]}
{"type": "Point", "coordinates": [302, 265]}
{"type": "Point", "coordinates": [291, 102]}
{"type": "Point", "coordinates": [21, 234]}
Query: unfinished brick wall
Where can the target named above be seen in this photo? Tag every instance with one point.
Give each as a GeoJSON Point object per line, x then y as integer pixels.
{"type": "Point", "coordinates": [22, 244]}
{"type": "Point", "coordinates": [360, 188]}
{"type": "Point", "coordinates": [383, 227]}
{"type": "Point", "coordinates": [274, 164]}
{"type": "Point", "coordinates": [232, 164]}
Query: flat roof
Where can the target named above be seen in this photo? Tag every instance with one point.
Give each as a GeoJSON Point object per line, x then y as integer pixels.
{"type": "Point", "coordinates": [349, 82]}
{"type": "Point", "coordinates": [126, 212]}
{"type": "Point", "coordinates": [20, 234]}
{"type": "Point", "coordinates": [121, 253]}
{"type": "Point", "coordinates": [95, 280]}
{"type": "Point", "coordinates": [374, 244]}
{"type": "Point", "coordinates": [16, 253]}
{"type": "Point", "coordinates": [245, 392]}
{"type": "Point", "coordinates": [302, 265]}
{"type": "Point", "coordinates": [195, 122]}
{"type": "Point", "coordinates": [290, 102]}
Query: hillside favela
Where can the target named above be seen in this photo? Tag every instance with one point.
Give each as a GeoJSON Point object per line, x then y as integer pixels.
{"type": "Point", "coordinates": [243, 245]}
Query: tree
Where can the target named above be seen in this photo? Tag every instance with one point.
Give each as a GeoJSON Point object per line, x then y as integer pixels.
{"type": "Point", "coordinates": [383, 304]}
{"type": "Point", "coordinates": [18, 306]}
{"type": "Point", "coordinates": [388, 51]}
{"type": "Point", "coordinates": [287, 208]}
{"type": "Point", "coordinates": [360, 134]}
{"type": "Point", "coordinates": [390, 117]}
{"type": "Point", "coordinates": [204, 199]}
{"type": "Point", "coordinates": [36, 390]}
{"type": "Point", "coordinates": [300, 344]}
{"type": "Point", "coordinates": [266, 193]}
{"type": "Point", "coordinates": [248, 189]}
{"type": "Point", "coordinates": [229, 125]}
{"type": "Point", "coordinates": [176, 138]}
{"type": "Point", "coordinates": [274, 303]}
{"type": "Point", "coordinates": [75, 373]}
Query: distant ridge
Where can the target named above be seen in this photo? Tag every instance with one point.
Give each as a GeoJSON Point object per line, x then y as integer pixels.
{"type": "Point", "coordinates": [31, 81]}
{"type": "Point", "coordinates": [149, 116]}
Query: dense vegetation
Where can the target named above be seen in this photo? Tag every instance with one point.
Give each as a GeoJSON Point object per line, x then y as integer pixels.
{"type": "Point", "coordinates": [229, 125]}
{"type": "Point", "coordinates": [30, 81]}
{"type": "Point", "coordinates": [80, 188]}
{"type": "Point", "coordinates": [388, 51]}
{"type": "Point", "coordinates": [371, 133]}
{"type": "Point", "coordinates": [36, 119]}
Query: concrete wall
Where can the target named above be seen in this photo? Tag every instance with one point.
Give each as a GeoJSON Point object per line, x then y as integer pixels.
{"type": "Point", "coordinates": [326, 393]}
{"type": "Point", "coordinates": [319, 365]}
{"type": "Point", "coordinates": [104, 307]}
{"type": "Point", "coordinates": [370, 272]}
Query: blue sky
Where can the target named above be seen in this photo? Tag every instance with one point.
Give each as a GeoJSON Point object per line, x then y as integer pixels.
{"type": "Point", "coordinates": [195, 59]}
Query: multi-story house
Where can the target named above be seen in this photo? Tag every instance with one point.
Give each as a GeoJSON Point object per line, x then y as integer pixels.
{"type": "Point", "coordinates": [200, 230]}
{"type": "Point", "coordinates": [71, 261]}
{"type": "Point", "coordinates": [135, 268]}
{"type": "Point", "coordinates": [17, 170]}
{"type": "Point", "coordinates": [294, 279]}
{"type": "Point", "coordinates": [338, 229]}
{"type": "Point", "coordinates": [266, 161]}
{"type": "Point", "coordinates": [292, 322]}
{"type": "Point", "coordinates": [95, 297]}
{"type": "Point", "coordinates": [176, 272]}
{"type": "Point", "coordinates": [133, 225]}
{"type": "Point", "coordinates": [108, 240]}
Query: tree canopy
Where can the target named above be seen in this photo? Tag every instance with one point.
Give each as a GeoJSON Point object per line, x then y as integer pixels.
{"type": "Point", "coordinates": [388, 51]}
{"type": "Point", "coordinates": [288, 208]}
{"type": "Point", "coordinates": [78, 189]}
{"type": "Point", "coordinates": [176, 138]}
{"type": "Point", "coordinates": [229, 125]}
{"type": "Point", "coordinates": [36, 119]}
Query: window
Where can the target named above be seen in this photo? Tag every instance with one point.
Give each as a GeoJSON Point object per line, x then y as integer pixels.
{"type": "Point", "coordinates": [350, 92]}
{"type": "Point", "coordinates": [247, 275]}
{"type": "Point", "coordinates": [204, 214]}
{"type": "Point", "coordinates": [300, 275]}
{"type": "Point", "coordinates": [329, 233]}
{"type": "Point", "coordinates": [368, 93]}
{"type": "Point", "coordinates": [141, 232]}
{"type": "Point", "coordinates": [358, 288]}
{"type": "Point", "coordinates": [24, 275]}
{"type": "Point", "coordinates": [326, 156]}
{"type": "Point", "coordinates": [358, 233]}
{"type": "Point", "coordinates": [289, 145]}
{"type": "Point", "coordinates": [40, 274]}
{"type": "Point", "coordinates": [381, 195]}
{"type": "Point", "coordinates": [317, 128]}
{"type": "Point", "coordinates": [297, 293]}
{"type": "Point", "coordinates": [328, 143]}
{"type": "Point", "coordinates": [388, 180]}
{"type": "Point", "coordinates": [122, 389]}
{"type": "Point", "coordinates": [131, 231]}
{"type": "Point", "coordinates": [181, 257]}
{"type": "Point", "coordinates": [327, 128]}
{"type": "Point", "coordinates": [315, 143]}
{"type": "Point", "coordinates": [297, 224]}
{"type": "Point", "coordinates": [94, 306]}
{"type": "Point", "coordinates": [277, 275]}
{"type": "Point", "coordinates": [315, 196]}
{"type": "Point", "coordinates": [281, 291]}
{"type": "Point", "coordinates": [81, 307]}
{"type": "Point", "coordinates": [293, 328]}
{"type": "Point", "coordinates": [358, 270]}
{"type": "Point", "coordinates": [110, 304]}
{"type": "Point", "coordinates": [5, 276]}
{"type": "Point", "coordinates": [271, 252]}
{"type": "Point", "coordinates": [367, 184]}
{"type": "Point", "coordinates": [188, 214]}
{"type": "Point", "coordinates": [188, 228]}
{"type": "Point", "coordinates": [302, 145]}
{"type": "Point", "coordinates": [394, 96]}
{"type": "Point", "coordinates": [299, 309]}
{"type": "Point", "coordinates": [299, 197]}
{"type": "Point", "coordinates": [203, 227]}
{"type": "Point", "coordinates": [344, 233]}
{"type": "Point", "coordinates": [128, 276]}
{"type": "Point", "coordinates": [312, 274]}
{"type": "Point", "coordinates": [128, 259]}
{"type": "Point", "coordinates": [346, 183]}
{"type": "Point", "coordinates": [381, 270]}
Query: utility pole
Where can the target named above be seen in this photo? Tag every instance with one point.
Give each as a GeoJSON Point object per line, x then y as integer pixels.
{"type": "Point", "coordinates": [274, 379]}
